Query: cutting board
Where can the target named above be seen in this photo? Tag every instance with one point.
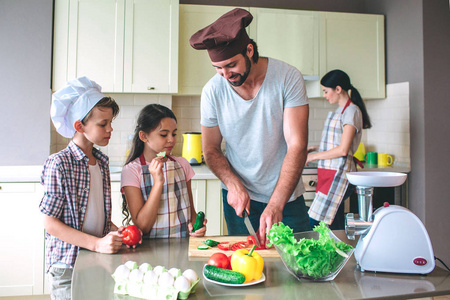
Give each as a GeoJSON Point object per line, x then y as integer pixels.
{"type": "Point", "coordinates": [194, 242]}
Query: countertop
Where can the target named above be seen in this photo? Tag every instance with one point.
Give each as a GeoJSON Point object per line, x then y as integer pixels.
{"type": "Point", "coordinates": [92, 277]}
{"type": "Point", "coordinates": [33, 173]}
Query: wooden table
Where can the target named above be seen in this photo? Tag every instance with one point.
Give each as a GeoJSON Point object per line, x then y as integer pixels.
{"type": "Point", "coordinates": [92, 277]}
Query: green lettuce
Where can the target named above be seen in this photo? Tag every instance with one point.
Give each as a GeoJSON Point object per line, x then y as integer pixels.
{"type": "Point", "coordinates": [315, 258]}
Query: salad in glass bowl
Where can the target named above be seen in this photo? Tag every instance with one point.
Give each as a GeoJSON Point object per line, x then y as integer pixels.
{"type": "Point", "coordinates": [316, 255]}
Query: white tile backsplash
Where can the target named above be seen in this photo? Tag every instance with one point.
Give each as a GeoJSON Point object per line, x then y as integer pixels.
{"type": "Point", "coordinates": [389, 134]}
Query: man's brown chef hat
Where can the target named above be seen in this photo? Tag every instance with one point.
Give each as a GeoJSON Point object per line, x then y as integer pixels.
{"type": "Point", "coordinates": [224, 38]}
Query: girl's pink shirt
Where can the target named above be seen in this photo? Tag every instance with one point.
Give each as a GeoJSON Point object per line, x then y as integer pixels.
{"type": "Point", "coordinates": [131, 173]}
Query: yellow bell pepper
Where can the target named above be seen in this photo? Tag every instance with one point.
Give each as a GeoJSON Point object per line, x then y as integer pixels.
{"type": "Point", "coordinates": [250, 264]}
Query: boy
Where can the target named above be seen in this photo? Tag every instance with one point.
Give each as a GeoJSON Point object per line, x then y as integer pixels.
{"type": "Point", "coordinates": [77, 187]}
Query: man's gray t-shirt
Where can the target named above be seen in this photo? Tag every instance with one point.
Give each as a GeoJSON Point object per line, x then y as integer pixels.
{"type": "Point", "coordinates": [253, 129]}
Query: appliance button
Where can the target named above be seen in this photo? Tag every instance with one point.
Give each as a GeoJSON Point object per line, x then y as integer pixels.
{"type": "Point", "coordinates": [420, 261]}
{"type": "Point", "coordinates": [386, 204]}
{"type": "Point", "coordinates": [312, 183]}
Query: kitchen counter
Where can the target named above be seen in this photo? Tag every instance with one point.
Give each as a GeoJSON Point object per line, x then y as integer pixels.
{"type": "Point", "coordinates": [92, 277]}
{"type": "Point", "coordinates": [33, 173]}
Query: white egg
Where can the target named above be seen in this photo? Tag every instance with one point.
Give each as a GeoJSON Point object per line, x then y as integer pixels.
{"type": "Point", "coordinates": [159, 269]}
{"type": "Point", "coordinates": [190, 275]}
{"type": "Point", "coordinates": [131, 265]}
{"type": "Point", "coordinates": [136, 276]}
{"type": "Point", "coordinates": [121, 273]}
{"type": "Point", "coordinates": [165, 280]}
{"type": "Point", "coordinates": [182, 284]}
{"type": "Point", "coordinates": [175, 272]}
{"type": "Point", "coordinates": [150, 277]}
{"type": "Point", "coordinates": [145, 267]}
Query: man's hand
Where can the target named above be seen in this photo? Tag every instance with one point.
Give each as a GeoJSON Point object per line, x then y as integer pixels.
{"type": "Point", "coordinates": [270, 216]}
{"type": "Point", "coordinates": [239, 199]}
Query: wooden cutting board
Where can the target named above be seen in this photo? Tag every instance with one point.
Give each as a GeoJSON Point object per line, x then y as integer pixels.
{"type": "Point", "coordinates": [194, 242]}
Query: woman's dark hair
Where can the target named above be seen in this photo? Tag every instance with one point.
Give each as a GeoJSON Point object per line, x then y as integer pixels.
{"type": "Point", "coordinates": [339, 78]}
{"type": "Point", "coordinates": [255, 56]}
{"type": "Point", "coordinates": [148, 120]}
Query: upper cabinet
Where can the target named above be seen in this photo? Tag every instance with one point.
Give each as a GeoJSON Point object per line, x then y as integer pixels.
{"type": "Point", "coordinates": [195, 68]}
{"type": "Point", "coordinates": [125, 46]}
{"type": "Point", "coordinates": [295, 42]}
{"type": "Point", "coordinates": [354, 43]}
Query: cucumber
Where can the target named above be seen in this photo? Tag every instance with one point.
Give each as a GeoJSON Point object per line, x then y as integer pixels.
{"type": "Point", "coordinates": [203, 247]}
{"type": "Point", "coordinates": [223, 275]}
{"type": "Point", "coordinates": [198, 221]}
{"type": "Point", "coordinates": [211, 243]}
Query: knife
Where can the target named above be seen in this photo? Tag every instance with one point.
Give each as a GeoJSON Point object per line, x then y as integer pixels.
{"type": "Point", "coordinates": [249, 226]}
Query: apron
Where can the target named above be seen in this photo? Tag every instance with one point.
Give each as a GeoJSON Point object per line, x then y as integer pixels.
{"type": "Point", "coordinates": [174, 211]}
{"type": "Point", "coordinates": [332, 181]}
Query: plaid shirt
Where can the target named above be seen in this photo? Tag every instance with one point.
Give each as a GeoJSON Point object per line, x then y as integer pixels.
{"type": "Point", "coordinates": [66, 178]}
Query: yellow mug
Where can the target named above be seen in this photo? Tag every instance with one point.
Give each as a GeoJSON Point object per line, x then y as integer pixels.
{"type": "Point", "coordinates": [384, 159]}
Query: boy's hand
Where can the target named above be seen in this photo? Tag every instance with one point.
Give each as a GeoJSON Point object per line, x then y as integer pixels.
{"type": "Point", "coordinates": [110, 243]}
{"type": "Point", "coordinates": [198, 232]}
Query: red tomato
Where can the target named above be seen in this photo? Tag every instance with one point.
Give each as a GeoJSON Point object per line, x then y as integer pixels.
{"type": "Point", "coordinates": [219, 260]}
{"type": "Point", "coordinates": [225, 246]}
{"type": "Point", "coordinates": [131, 235]}
{"type": "Point", "coordinates": [251, 241]}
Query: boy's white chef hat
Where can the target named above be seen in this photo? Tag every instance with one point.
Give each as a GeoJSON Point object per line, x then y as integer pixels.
{"type": "Point", "coordinates": [72, 103]}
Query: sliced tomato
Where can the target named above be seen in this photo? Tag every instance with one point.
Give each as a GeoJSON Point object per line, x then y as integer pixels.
{"type": "Point", "coordinates": [251, 241]}
{"type": "Point", "coordinates": [225, 246]}
{"type": "Point", "coordinates": [238, 245]}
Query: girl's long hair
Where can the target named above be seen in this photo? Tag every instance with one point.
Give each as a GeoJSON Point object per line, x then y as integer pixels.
{"type": "Point", "coordinates": [339, 78]}
{"type": "Point", "coordinates": [148, 120]}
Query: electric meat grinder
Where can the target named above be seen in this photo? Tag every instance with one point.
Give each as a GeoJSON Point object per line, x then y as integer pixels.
{"type": "Point", "coordinates": [392, 239]}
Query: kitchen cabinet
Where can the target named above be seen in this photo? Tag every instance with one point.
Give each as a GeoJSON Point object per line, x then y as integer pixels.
{"type": "Point", "coordinates": [125, 46]}
{"type": "Point", "coordinates": [354, 43]}
{"type": "Point", "coordinates": [195, 67]}
{"type": "Point", "coordinates": [296, 42]}
{"type": "Point", "coordinates": [207, 195]}
{"type": "Point", "coordinates": [22, 267]}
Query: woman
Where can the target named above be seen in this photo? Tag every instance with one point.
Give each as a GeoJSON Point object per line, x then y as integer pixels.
{"type": "Point", "coordinates": [340, 139]}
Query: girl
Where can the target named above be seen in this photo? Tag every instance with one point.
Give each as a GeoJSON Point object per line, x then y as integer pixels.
{"type": "Point", "coordinates": [156, 190]}
{"type": "Point", "coordinates": [340, 139]}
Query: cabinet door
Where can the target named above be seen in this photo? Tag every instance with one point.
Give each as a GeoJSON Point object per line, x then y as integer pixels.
{"type": "Point", "coordinates": [195, 67]}
{"type": "Point", "coordinates": [88, 41]}
{"type": "Point", "coordinates": [295, 42]}
{"type": "Point", "coordinates": [22, 236]}
{"type": "Point", "coordinates": [354, 43]}
{"type": "Point", "coordinates": [151, 46]}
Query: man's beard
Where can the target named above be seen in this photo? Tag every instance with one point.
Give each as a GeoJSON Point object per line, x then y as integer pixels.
{"type": "Point", "coordinates": [243, 77]}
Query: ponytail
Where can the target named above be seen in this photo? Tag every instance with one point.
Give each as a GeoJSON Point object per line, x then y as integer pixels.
{"type": "Point", "coordinates": [339, 78]}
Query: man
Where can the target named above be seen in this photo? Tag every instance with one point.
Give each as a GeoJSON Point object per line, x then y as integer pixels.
{"type": "Point", "coordinates": [259, 106]}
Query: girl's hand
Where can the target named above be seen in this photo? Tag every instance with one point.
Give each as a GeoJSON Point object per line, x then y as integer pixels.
{"type": "Point", "coordinates": [155, 168]}
{"type": "Point", "coordinates": [198, 232]}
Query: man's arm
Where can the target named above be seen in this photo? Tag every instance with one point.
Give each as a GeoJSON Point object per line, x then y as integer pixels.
{"type": "Point", "coordinates": [238, 196]}
{"type": "Point", "coordinates": [295, 127]}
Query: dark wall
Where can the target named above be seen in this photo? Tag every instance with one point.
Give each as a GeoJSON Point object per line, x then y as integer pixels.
{"type": "Point", "coordinates": [355, 6]}
{"type": "Point", "coordinates": [25, 70]}
{"type": "Point", "coordinates": [436, 35]}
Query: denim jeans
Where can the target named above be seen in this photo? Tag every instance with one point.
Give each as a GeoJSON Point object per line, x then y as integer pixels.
{"type": "Point", "coordinates": [339, 219]}
{"type": "Point", "coordinates": [60, 277]}
{"type": "Point", "coordinates": [295, 215]}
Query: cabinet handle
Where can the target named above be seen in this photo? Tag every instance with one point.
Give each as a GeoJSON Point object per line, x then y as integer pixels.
{"type": "Point", "coordinates": [0, 187]}
{"type": "Point", "coordinates": [150, 88]}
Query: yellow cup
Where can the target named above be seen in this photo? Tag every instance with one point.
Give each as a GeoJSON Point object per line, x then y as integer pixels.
{"type": "Point", "coordinates": [384, 159]}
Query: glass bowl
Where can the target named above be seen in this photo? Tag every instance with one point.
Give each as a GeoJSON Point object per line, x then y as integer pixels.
{"type": "Point", "coordinates": [292, 266]}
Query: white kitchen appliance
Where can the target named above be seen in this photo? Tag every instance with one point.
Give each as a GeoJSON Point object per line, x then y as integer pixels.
{"type": "Point", "coordinates": [392, 239]}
